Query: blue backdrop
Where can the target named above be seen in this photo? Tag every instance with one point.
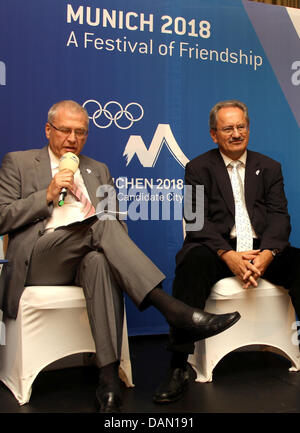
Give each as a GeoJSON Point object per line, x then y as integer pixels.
{"type": "Point", "coordinates": [148, 73]}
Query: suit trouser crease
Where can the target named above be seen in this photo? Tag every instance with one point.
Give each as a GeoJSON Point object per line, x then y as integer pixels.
{"type": "Point", "coordinates": [105, 307]}
{"type": "Point", "coordinates": [99, 256]}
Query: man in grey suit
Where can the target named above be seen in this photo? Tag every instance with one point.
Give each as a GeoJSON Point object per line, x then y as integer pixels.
{"type": "Point", "coordinates": [213, 253]}
{"type": "Point", "coordinates": [55, 245]}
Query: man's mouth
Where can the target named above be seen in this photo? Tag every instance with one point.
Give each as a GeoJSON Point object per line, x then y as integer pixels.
{"type": "Point", "coordinates": [236, 141]}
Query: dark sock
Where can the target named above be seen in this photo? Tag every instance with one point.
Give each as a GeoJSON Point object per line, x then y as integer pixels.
{"type": "Point", "coordinates": [177, 313]}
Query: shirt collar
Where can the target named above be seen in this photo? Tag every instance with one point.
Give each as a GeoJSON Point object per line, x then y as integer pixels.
{"type": "Point", "coordinates": [227, 160]}
{"type": "Point", "coordinates": [54, 160]}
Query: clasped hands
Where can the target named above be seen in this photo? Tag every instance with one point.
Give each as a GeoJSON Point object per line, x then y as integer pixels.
{"type": "Point", "coordinates": [248, 266]}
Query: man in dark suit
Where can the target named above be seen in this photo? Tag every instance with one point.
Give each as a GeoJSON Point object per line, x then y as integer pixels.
{"type": "Point", "coordinates": [211, 253]}
{"type": "Point", "coordinates": [56, 245]}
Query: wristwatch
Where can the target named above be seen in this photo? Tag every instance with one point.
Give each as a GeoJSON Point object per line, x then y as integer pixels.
{"type": "Point", "coordinates": [275, 252]}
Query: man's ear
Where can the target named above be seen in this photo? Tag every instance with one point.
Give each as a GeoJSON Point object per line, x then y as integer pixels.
{"type": "Point", "coordinates": [213, 134]}
{"type": "Point", "coordinates": [47, 130]}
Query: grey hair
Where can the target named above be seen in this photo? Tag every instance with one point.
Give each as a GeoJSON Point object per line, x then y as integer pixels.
{"type": "Point", "coordinates": [69, 104]}
{"type": "Point", "coordinates": [231, 103]}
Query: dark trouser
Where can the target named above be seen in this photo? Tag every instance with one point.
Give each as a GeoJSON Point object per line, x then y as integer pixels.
{"type": "Point", "coordinates": [201, 268]}
{"type": "Point", "coordinates": [100, 257]}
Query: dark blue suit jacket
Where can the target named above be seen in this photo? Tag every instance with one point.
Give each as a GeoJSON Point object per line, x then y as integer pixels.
{"type": "Point", "coordinates": [264, 195]}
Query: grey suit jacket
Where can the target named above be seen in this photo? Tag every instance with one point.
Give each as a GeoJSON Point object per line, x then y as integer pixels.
{"type": "Point", "coordinates": [24, 178]}
{"type": "Point", "coordinates": [264, 195]}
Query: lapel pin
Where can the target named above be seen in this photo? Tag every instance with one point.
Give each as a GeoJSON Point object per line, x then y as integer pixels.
{"type": "Point", "coordinates": [89, 170]}
{"type": "Point", "coordinates": [257, 172]}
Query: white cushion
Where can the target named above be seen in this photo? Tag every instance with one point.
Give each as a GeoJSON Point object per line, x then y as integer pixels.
{"type": "Point", "coordinates": [231, 287]}
{"type": "Point", "coordinates": [42, 297]}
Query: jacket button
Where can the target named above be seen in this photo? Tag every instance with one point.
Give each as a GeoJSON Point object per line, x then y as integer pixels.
{"type": "Point", "coordinates": [26, 262]}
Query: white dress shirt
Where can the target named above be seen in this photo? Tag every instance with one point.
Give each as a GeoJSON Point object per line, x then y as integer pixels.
{"type": "Point", "coordinates": [241, 169]}
{"type": "Point", "coordinates": [71, 211]}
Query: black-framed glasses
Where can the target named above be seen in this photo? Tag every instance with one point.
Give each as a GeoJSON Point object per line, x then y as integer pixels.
{"type": "Point", "coordinates": [80, 133]}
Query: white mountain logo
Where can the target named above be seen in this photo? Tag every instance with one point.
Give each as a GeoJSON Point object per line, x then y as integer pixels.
{"type": "Point", "coordinates": [148, 157]}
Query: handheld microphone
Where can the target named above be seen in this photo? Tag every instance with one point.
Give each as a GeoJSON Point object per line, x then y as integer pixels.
{"type": "Point", "coordinates": [62, 195]}
{"type": "Point", "coordinates": [70, 161]}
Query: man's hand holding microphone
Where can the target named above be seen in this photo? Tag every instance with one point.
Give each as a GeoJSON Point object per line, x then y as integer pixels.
{"type": "Point", "coordinates": [63, 180]}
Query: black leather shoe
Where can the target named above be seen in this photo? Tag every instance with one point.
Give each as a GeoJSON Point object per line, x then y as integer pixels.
{"type": "Point", "coordinates": [108, 401]}
{"type": "Point", "coordinates": [205, 325]}
{"type": "Point", "coordinates": [173, 387]}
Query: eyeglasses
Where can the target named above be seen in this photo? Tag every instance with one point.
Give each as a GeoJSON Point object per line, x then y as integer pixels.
{"type": "Point", "coordinates": [80, 133]}
{"type": "Point", "coordinates": [228, 130]}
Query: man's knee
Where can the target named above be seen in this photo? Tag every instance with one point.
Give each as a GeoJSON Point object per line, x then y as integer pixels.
{"type": "Point", "coordinates": [94, 258]}
{"type": "Point", "coordinates": [92, 269]}
{"type": "Point", "coordinates": [199, 257]}
{"type": "Point", "coordinates": [95, 273]}
{"type": "Point", "coordinates": [200, 269]}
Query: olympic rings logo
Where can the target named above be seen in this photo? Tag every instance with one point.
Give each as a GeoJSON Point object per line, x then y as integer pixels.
{"type": "Point", "coordinates": [115, 114]}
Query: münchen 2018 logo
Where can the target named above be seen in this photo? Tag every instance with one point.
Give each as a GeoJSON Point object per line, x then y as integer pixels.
{"type": "Point", "coordinates": [113, 113]}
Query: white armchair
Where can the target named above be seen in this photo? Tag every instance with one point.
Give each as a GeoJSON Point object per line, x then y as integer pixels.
{"type": "Point", "coordinates": [52, 323]}
{"type": "Point", "coordinates": [267, 322]}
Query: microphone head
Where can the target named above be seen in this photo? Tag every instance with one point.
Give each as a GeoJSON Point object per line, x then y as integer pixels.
{"type": "Point", "coordinates": [69, 160]}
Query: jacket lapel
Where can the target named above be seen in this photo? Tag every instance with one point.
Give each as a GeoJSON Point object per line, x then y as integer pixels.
{"type": "Point", "coordinates": [43, 173]}
{"type": "Point", "coordinates": [91, 181]}
{"type": "Point", "coordinates": [252, 177]}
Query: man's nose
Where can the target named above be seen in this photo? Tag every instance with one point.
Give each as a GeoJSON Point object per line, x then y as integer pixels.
{"type": "Point", "coordinates": [236, 132]}
{"type": "Point", "coordinates": [72, 136]}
